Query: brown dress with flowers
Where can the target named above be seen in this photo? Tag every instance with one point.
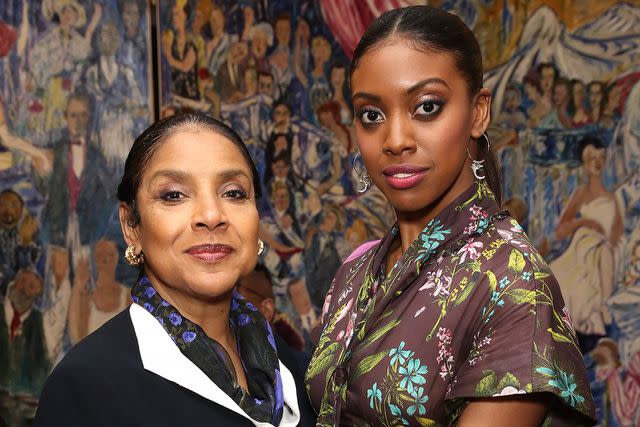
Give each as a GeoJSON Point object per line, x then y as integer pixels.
{"type": "Point", "coordinates": [470, 310]}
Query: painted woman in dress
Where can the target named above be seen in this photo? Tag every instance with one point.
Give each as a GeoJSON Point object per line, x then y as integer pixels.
{"type": "Point", "coordinates": [453, 318]}
{"type": "Point", "coordinates": [586, 269]}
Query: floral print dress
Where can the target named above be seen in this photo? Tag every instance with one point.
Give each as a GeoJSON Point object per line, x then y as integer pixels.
{"type": "Point", "coordinates": [470, 310]}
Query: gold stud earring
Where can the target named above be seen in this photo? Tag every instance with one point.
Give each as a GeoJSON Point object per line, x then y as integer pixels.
{"type": "Point", "coordinates": [132, 258]}
{"type": "Point", "coordinates": [260, 247]}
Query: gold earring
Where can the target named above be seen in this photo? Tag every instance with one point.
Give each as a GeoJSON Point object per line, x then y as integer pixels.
{"type": "Point", "coordinates": [132, 258]}
{"type": "Point", "coordinates": [260, 247]}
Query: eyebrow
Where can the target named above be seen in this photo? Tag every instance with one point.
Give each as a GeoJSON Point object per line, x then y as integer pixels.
{"type": "Point", "coordinates": [427, 82]}
{"type": "Point", "coordinates": [182, 175]}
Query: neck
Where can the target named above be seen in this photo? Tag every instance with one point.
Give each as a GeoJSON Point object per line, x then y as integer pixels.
{"type": "Point", "coordinates": [106, 279]}
{"type": "Point", "coordinates": [211, 315]}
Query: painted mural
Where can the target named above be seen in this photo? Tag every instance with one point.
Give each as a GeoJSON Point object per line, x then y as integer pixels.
{"type": "Point", "coordinates": [75, 88]}
{"type": "Point", "coordinates": [74, 92]}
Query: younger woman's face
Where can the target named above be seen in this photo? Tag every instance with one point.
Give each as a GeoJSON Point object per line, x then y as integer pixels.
{"type": "Point", "coordinates": [198, 225]}
{"type": "Point", "coordinates": [413, 125]}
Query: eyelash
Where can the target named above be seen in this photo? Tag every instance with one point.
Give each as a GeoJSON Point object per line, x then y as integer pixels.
{"type": "Point", "coordinates": [438, 104]}
{"type": "Point", "coordinates": [167, 196]}
{"type": "Point", "coordinates": [236, 194]}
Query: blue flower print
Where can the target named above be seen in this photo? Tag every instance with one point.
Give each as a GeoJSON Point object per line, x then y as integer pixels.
{"type": "Point", "coordinates": [135, 299]}
{"type": "Point", "coordinates": [175, 319]}
{"type": "Point", "coordinates": [234, 304]}
{"type": "Point", "coordinates": [397, 412]}
{"type": "Point", "coordinates": [373, 394]}
{"type": "Point", "coordinates": [412, 374]}
{"type": "Point", "coordinates": [526, 275]}
{"type": "Point", "coordinates": [244, 319]}
{"type": "Point", "coordinates": [165, 304]}
{"type": "Point", "coordinates": [188, 336]}
{"type": "Point", "coordinates": [399, 354]}
{"type": "Point", "coordinates": [251, 307]}
{"type": "Point", "coordinates": [431, 237]}
{"type": "Point", "coordinates": [160, 319]}
{"type": "Point", "coordinates": [149, 292]}
{"type": "Point", "coordinates": [504, 282]}
{"type": "Point", "coordinates": [567, 384]}
{"type": "Point", "coordinates": [420, 402]}
{"type": "Point", "coordinates": [148, 307]}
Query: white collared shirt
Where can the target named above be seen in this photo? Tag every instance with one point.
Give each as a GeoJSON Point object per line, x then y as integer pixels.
{"type": "Point", "coordinates": [161, 356]}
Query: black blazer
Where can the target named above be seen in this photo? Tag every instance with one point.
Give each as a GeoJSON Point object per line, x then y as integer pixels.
{"type": "Point", "coordinates": [102, 382]}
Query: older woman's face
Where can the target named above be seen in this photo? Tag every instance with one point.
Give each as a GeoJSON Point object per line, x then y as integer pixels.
{"type": "Point", "coordinates": [198, 225]}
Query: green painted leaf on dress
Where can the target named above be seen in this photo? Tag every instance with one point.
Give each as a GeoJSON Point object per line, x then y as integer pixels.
{"type": "Point", "coordinates": [323, 361]}
{"type": "Point", "coordinates": [379, 332]}
{"type": "Point", "coordinates": [427, 422]}
{"type": "Point", "coordinates": [541, 275]}
{"type": "Point", "coordinates": [516, 261]}
{"type": "Point", "coordinates": [559, 337]}
{"type": "Point", "coordinates": [367, 364]}
{"type": "Point", "coordinates": [488, 385]}
{"type": "Point", "coordinates": [522, 296]}
{"type": "Point", "coordinates": [493, 282]}
{"type": "Point", "coordinates": [466, 291]}
{"type": "Point", "coordinates": [508, 380]}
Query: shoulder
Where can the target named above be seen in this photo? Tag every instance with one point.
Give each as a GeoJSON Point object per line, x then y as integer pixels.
{"type": "Point", "coordinates": [103, 352]}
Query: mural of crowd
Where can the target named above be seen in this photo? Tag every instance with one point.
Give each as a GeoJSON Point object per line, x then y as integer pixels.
{"type": "Point", "coordinates": [76, 90]}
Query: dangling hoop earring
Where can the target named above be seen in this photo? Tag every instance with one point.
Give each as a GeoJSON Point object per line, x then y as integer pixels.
{"type": "Point", "coordinates": [364, 178]}
{"type": "Point", "coordinates": [477, 166]}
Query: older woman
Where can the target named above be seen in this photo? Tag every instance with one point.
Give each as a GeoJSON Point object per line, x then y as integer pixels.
{"type": "Point", "coordinates": [189, 349]}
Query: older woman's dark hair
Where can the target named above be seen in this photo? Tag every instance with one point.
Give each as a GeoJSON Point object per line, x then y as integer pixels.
{"type": "Point", "coordinates": [154, 136]}
{"type": "Point", "coordinates": [430, 29]}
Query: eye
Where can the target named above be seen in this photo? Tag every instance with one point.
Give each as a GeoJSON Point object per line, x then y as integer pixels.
{"type": "Point", "coordinates": [369, 116]}
{"type": "Point", "coordinates": [172, 196]}
{"type": "Point", "coordinates": [236, 194]}
{"type": "Point", "coordinates": [428, 108]}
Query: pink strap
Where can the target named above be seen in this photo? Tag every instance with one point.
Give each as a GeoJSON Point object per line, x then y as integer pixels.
{"type": "Point", "coordinates": [361, 249]}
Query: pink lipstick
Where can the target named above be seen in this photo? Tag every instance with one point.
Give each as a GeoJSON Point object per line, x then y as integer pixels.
{"type": "Point", "coordinates": [403, 177]}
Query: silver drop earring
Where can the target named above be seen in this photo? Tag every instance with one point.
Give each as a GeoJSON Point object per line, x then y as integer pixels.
{"type": "Point", "coordinates": [364, 178]}
{"type": "Point", "coordinates": [477, 166]}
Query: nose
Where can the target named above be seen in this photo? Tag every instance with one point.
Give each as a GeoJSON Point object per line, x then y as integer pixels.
{"type": "Point", "coordinates": [400, 136]}
{"type": "Point", "coordinates": [209, 214]}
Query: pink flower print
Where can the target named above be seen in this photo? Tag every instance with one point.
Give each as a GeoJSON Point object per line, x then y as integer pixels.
{"type": "Point", "coordinates": [419, 312]}
{"type": "Point", "coordinates": [445, 355]}
{"type": "Point", "coordinates": [344, 310]}
{"type": "Point", "coordinates": [325, 307]}
{"type": "Point", "coordinates": [477, 212]}
{"type": "Point", "coordinates": [566, 318]}
{"type": "Point", "coordinates": [472, 227]}
{"type": "Point", "coordinates": [439, 282]}
{"type": "Point", "coordinates": [506, 235]}
{"type": "Point", "coordinates": [471, 249]}
{"type": "Point", "coordinates": [347, 333]}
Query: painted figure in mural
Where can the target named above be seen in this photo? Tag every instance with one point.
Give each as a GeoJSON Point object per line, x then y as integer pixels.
{"type": "Point", "coordinates": [38, 156]}
{"type": "Point", "coordinates": [281, 59]}
{"type": "Point", "coordinates": [586, 269]}
{"type": "Point", "coordinates": [133, 49]}
{"type": "Point", "coordinates": [24, 362]}
{"type": "Point", "coordinates": [611, 114]}
{"type": "Point", "coordinates": [78, 189]}
{"type": "Point", "coordinates": [596, 98]}
{"type": "Point", "coordinates": [217, 47]}
{"type": "Point", "coordinates": [57, 57]}
{"type": "Point", "coordinates": [454, 265]}
{"type": "Point", "coordinates": [266, 85]}
{"type": "Point", "coordinates": [558, 118]}
{"type": "Point", "coordinates": [260, 40]}
{"type": "Point", "coordinates": [188, 213]}
{"type": "Point", "coordinates": [539, 107]}
{"type": "Point", "coordinates": [230, 77]}
{"type": "Point", "coordinates": [19, 247]}
{"type": "Point", "coordinates": [117, 99]}
{"type": "Point", "coordinates": [338, 80]}
{"type": "Point", "coordinates": [341, 150]}
{"type": "Point", "coordinates": [257, 289]}
{"type": "Point", "coordinates": [579, 115]}
{"type": "Point", "coordinates": [89, 309]}
{"type": "Point", "coordinates": [179, 49]}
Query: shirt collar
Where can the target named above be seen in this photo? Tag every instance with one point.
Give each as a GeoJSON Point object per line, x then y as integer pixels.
{"type": "Point", "coordinates": [161, 356]}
